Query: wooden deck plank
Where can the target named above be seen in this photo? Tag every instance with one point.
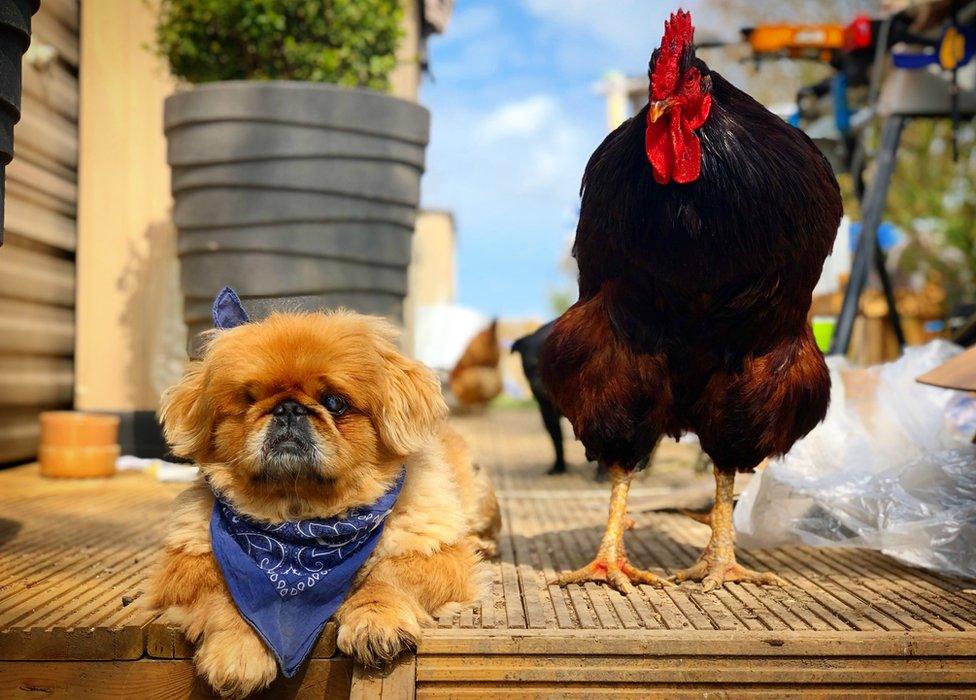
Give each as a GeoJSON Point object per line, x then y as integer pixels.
{"type": "Point", "coordinates": [663, 554]}
{"type": "Point", "coordinates": [149, 679]}
{"type": "Point", "coordinates": [489, 606]}
{"type": "Point", "coordinates": [796, 605]}
{"type": "Point", "coordinates": [853, 593]}
{"type": "Point", "coordinates": [78, 605]}
{"type": "Point", "coordinates": [879, 643]}
{"type": "Point", "coordinates": [756, 608]}
{"type": "Point", "coordinates": [527, 567]}
{"type": "Point", "coordinates": [852, 614]}
{"type": "Point", "coordinates": [724, 612]}
{"type": "Point", "coordinates": [79, 547]}
{"type": "Point", "coordinates": [514, 613]}
{"type": "Point", "coordinates": [518, 690]}
{"type": "Point", "coordinates": [558, 539]}
{"type": "Point", "coordinates": [951, 607]}
{"type": "Point", "coordinates": [664, 606]}
{"type": "Point", "coordinates": [721, 676]}
{"type": "Point", "coordinates": [921, 619]}
{"type": "Point", "coordinates": [555, 593]}
{"type": "Point", "coordinates": [804, 593]}
{"type": "Point", "coordinates": [397, 683]}
{"type": "Point", "coordinates": [691, 669]}
{"type": "Point", "coordinates": [71, 550]}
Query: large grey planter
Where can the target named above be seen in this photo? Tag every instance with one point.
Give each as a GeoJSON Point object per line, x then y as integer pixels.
{"type": "Point", "coordinates": [297, 195]}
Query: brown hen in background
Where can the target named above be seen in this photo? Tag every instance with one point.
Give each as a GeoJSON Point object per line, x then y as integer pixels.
{"type": "Point", "coordinates": [476, 379]}
{"type": "Point", "coordinates": [704, 226]}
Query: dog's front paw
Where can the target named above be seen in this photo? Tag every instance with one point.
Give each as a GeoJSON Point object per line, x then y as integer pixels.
{"type": "Point", "coordinates": [235, 662]}
{"type": "Point", "coordinates": [375, 634]}
{"type": "Point", "coordinates": [487, 547]}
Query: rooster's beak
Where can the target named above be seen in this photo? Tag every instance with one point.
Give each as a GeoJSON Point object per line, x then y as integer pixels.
{"type": "Point", "coordinates": [658, 108]}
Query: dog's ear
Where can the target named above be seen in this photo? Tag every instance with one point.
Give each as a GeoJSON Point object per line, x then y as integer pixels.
{"type": "Point", "coordinates": [413, 404]}
{"type": "Point", "coordinates": [187, 424]}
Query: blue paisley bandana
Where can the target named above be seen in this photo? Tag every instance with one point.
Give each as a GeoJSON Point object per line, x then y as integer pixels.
{"type": "Point", "coordinates": [288, 579]}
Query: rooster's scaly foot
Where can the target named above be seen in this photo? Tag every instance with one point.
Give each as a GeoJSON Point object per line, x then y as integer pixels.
{"type": "Point", "coordinates": [619, 575]}
{"type": "Point", "coordinates": [715, 573]}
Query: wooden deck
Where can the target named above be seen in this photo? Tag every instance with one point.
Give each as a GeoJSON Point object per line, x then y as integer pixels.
{"type": "Point", "coordinates": [74, 558]}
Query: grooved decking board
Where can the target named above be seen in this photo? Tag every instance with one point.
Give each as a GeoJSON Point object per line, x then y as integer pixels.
{"type": "Point", "coordinates": [70, 551]}
{"type": "Point", "coordinates": [554, 523]}
{"type": "Point", "coordinates": [850, 622]}
{"type": "Point", "coordinates": [151, 679]}
{"type": "Point", "coordinates": [74, 559]}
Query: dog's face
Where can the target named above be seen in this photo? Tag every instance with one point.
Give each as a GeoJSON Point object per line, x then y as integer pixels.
{"type": "Point", "coordinates": [314, 409]}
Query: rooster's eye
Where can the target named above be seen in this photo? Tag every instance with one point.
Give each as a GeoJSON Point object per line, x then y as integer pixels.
{"type": "Point", "coordinates": [336, 405]}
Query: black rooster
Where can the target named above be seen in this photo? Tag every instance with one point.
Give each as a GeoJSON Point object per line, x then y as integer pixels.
{"type": "Point", "coordinates": [704, 225]}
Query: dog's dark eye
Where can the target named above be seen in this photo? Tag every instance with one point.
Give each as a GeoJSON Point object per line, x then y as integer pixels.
{"type": "Point", "coordinates": [250, 393]}
{"type": "Point", "coordinates": [336, 405]}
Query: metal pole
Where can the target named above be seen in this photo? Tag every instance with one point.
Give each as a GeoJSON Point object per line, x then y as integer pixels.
{"type": "Point", "coordinates": [880, 260]}
{"type": "Point", "coordinates": [871, 214]}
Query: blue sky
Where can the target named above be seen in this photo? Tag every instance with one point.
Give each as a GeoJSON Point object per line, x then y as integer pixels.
{"type": "Point", "coordinates": [514, 118]}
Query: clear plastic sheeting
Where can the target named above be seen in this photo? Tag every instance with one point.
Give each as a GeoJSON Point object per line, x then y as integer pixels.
{"type": "Point", "coordinates": [891, 468]}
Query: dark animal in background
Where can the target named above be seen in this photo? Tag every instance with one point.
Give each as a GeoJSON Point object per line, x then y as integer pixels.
{"type": "Point", "coordinates": [529, 347]}
{"type": "Point", "coordinates": [704, 225]}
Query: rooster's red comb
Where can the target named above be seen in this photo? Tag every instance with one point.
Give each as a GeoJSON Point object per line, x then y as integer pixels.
{"type": "Point", "coordinates": [679, 33]}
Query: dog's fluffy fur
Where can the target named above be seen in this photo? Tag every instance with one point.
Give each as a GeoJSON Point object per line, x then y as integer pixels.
{"type": "Point", "coordinates": [220, 415]}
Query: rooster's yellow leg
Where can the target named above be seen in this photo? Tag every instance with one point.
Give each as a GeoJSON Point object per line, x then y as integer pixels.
{"type": "Point", "coordinates": [611, 565]}
{"type": "Point", "coordinates": [717, 565]}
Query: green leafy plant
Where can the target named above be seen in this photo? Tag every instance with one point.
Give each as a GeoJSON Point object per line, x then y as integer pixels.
{"type": "Point", "coordinates": [346, 42]}
{"type": "Point", "coordinates": [933, 200]}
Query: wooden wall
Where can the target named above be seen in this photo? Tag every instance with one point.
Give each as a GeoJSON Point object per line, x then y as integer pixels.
{"type": "Point", "coordinates": [129, 331]}
{"type": "Point", "coordinates": [37, 260]}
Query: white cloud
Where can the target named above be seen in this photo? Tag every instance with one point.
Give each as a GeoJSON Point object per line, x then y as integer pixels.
{"type": "Point", "coordinates": [520, 161]}
{"type": "Point", "coordinates": [553, 162]}
{"type": "Point", "coordinates": [521, 118]}
{"type": "Point", "coordinates": [537, 145]}
{"type": "Point", "coordinates": [478, 46]}
{"type": "Point", "coordinates": [621, 23]}
{"type": "Point", "coordinates": [477, 60]}
{"type": "Point", "coordinates": [514, 195]}
{"type": "Point", "coordinates": [616, 34]}
{"type": "Point", "coordinates": [469, 23]}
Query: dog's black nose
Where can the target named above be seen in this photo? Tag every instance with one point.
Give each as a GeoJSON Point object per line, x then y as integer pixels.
{"type": "Point", "coordinates": [288, 408]}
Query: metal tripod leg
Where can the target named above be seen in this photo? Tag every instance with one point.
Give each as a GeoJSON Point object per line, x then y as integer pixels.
{"type": "Point", "coordinates": [881, 263]}
{"type": "Point", "coordinates": [868, 251]}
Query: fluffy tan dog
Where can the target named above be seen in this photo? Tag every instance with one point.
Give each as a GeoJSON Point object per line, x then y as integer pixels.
{"type": "Point", "coordinates": [368, 411]}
